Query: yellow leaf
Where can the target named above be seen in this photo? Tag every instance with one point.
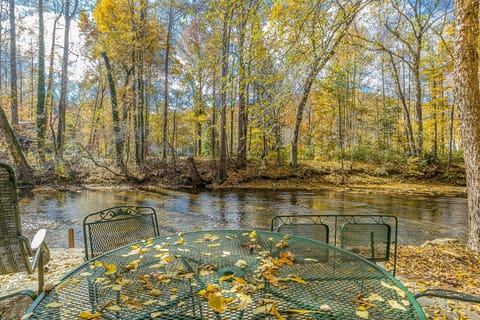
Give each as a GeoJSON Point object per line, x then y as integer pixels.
{"type": "Point", "coordinates": [89, 315]}
{"type": "Point", "coordinates": [179, 242]}
{"type": "Point", "coordinates": [374, 297]}
{"type": "Point", "coordinates": [226, 277]}
{"type": "Point", "coordinates": [395, 305]}
{"type": "Point", "coordinates": [155, 292]}
{"type": "Point", "coordinates": [399, 291]}
{"type": "Point", "coordinates": [362, 314]}
{"type": "Point", "coordinates": [109, 269]}
{"type": "Point", "coordinates": [217, 303]}
{"type": "Point", "coordinates": [114, 308]}
{"type": "Point", "coordinates": [156, 314]}
{"type": "Point", "coordinates": [54, 305]}
{"type": "Point", "coordinates": [253, 234]}
{"type": "Point", "coordinates": [294, 277]}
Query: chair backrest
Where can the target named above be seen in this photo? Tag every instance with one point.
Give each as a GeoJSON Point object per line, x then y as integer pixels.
{"type": "Point", "coordinates": [372, 236]}
{"type": "Point", "coordinates": [371, 240]}
{"type": "Point", "coordinates": [118, 226]}
{"type": "Point", "coordinates": [9, 218]}
{"type": "Point", "coordinates": [14, 248]}
{"type": "Point", "coordinates": [309, 226]}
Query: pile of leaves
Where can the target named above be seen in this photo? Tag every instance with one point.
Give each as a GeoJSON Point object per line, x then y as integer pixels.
{"type": "Point", "coordinates": [444, 265]}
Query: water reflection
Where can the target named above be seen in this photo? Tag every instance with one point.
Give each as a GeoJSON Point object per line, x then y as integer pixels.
{"type": "Point", "coordinates": [420, 218]}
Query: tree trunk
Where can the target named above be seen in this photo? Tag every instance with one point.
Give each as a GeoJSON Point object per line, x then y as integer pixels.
{"type": "Point", "coordinates": [62, 104]}
{"type": "Point", "coordinates": [165, 84]}
{"type": "Point", "coordinates": [242, 88]}
{"type": "Point", "coordinates": [1, 47]}
{"type": "Point", "coordinates": [467, 96]}
{"type": "Point", "coordinates": [13, 65]}
{"type": "Point", "coordinates": [301, 106]}
{"type": "Point", "coordinates": [213, 140]}
{"type": "Point", "coordinates": [49, 97]}
{"type": "Point", "coordinates": [41, 114]}
{"type": "Point", "coordinates": [115, 114]}
{"type": "Point", "coordinates": [401, 94]}
{"type": "Point", "coordinates": [14, 146]}
{"type": "Point", "coordinates": [418, 99]}
{"type": "Point", "coordinates": [223, 96]}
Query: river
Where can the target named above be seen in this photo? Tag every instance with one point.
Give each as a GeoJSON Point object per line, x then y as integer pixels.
{"type": "Point", "coordinates": [420, 218]}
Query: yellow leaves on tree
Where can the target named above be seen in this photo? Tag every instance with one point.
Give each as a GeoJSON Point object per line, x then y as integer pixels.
{"type": "Point", "coordinates": [123, 29]}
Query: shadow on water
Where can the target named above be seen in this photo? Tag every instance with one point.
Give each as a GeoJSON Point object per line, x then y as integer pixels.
{"type": "Point", "coordinates": [420, 218]}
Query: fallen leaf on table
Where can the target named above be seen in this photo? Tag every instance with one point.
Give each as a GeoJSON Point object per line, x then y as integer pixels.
{"type": "Point", "coordinates": [245, 301]}
{"type": "Point", "coordinates": [109, 269]}
{"type": "Point", "coordinates": [218, 303]}
{"type": "Point", "coordinates": [362, 314]}
{"type": "Point", "coordinates": [325, 308]}
{"type": "Point", "coordinates": [374, 297]}
{"type": "Point", "coordinates": [395, 305]}
{"type": "Point", "coordinates": [226, 277]}
{"type": "Point", "coordinates": [114, 308]}
{"type": "Point", "coordinates": [149, 302]}
{"type": "Point", "coordinates": [399, 291]}
{"type": "Point", "coordinates": [155, 292]}
{"type": "Point", "coordinates": [133, 304]}
{"type": "Point", "coordinates": [89, 315]}
{"type": "Point", "coordinates": [156, 314]}
{"type": "Point", "coordinates": [131, 266]}
{"type": "Point", "coordinates": [294, 277]}
{"type": "Point", "coordinates": [54, 305]}
{"type": "Point", "coordinates": [269, 308]}
{"type": "Point", "coordinates": [241, 264]}
{"type": "Point", "coordinates": [179, 242]}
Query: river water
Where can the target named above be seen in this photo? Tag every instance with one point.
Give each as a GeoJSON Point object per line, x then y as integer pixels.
{"type": "Point", "coordinates": [420, 218]}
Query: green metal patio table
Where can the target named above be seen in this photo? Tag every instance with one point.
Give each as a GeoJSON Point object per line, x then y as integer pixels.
{"type": "Point", "coordinates": [227, 274]}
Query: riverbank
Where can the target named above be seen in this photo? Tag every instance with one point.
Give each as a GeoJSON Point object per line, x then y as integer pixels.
{"type": "Point", "coordinates": [361, 177]}
{"type": "Point", "coordinates": [439, 264]}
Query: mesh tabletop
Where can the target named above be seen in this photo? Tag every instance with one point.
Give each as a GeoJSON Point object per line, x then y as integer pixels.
{"type": "Point", "coordinates": [227, 274]}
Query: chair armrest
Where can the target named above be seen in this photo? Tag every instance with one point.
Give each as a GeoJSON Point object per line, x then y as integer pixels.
{"type": "Point", "coordinates": [448, 294]}
{"type": "Point", "coordinates": [38, 239]}
{"type": "Point", "coordinates": [29, 293]}
{"type": "Point", "coordinates": [42, 255]}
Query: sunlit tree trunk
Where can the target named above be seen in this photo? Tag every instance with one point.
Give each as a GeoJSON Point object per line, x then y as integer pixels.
{"type": "Point", "coordinates": [213, 138]}
{"type": "Point", "coordinates": [165, 84]}
{"type": "Point", "coordinates": [222, 165]}
{"type": "Point", "coordinates": [467, 96]}
{"type": "Point", "coordinates": [115, 113]}
{"type": "Point", "coordinates": [13, 64]}
{"type": "Point", "coordinates": [62, 104]}
{"type": "Point", "coordinates": [49, 96]}
{"type": "Point", "coordinates": [14, 147]}
{"type": "Point", "coordinates": [41, 114]}
{"type": "Point", "coordinates": [242, 88]}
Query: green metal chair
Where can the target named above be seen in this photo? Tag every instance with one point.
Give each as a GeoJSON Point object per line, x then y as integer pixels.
{"type": "Point", "coordinates": [17, 254]}
{"type": "Point", "coordinates": [372, 236]}
{"type": "Point", "coordinates": [118, 226]}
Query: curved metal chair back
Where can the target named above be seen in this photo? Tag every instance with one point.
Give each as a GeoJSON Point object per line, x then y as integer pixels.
{"type": "Point", "coordinates": [372, 236]}
{"type": "Point", "coordinates": [118, 226]}
{"type": "Point", "coordinates": [16, 252]}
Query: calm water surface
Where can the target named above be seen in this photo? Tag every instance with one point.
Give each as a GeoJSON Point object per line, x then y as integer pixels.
{"type": "Point", "coordinates": [420, 218]}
